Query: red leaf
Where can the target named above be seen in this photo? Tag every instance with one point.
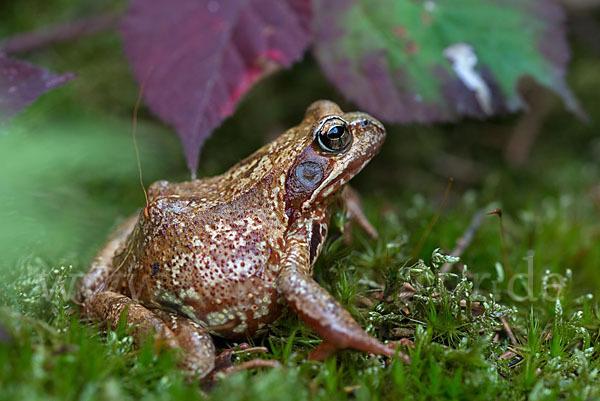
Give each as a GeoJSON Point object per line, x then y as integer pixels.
{"type": "Point", "coordinates": [195, 58]}
{"type": "Point", "coordinates": [22, 83]}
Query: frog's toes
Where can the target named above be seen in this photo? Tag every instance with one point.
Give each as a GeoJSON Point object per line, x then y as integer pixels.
{"type": "Point", "coordinates": [354, 212]}
{"type": "Point", "coordinates": [251, 364]}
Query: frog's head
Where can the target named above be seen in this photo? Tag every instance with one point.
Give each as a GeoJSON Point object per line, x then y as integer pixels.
{"type": "Point", "coordinates": [338, 146]}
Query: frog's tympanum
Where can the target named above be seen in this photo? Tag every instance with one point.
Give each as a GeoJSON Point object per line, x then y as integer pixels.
{"type": "Point", "coordinates": [224, 255]}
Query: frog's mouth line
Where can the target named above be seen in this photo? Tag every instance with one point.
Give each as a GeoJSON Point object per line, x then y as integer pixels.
{"type": "Point", "coordinates": [335, 182]}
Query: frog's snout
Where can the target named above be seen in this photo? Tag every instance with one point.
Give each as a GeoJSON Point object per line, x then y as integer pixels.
{"type": "Point", "coordinates": [375, 130]}
{"type": "Point", "coordinates": [369, 134]}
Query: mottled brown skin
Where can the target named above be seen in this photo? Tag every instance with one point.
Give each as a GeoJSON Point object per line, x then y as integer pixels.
{"type": "Point", "coordinates": [223, 255]}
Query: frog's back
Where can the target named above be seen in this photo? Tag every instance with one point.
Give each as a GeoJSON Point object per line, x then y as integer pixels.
{"type": "Point", "coordinates": [264, 170]}
{"type": "Point", "coordinates": [212, 261]}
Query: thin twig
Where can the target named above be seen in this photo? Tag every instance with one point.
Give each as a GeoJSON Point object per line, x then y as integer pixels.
{"type": "Point", "coordinates": [59, 33]}
{"type": "Point", "coordinates": [463, 242]}
{"type": "Point", "coordinates": [508, 355]}
{"type": "Point", "coordinates": [509, 332]}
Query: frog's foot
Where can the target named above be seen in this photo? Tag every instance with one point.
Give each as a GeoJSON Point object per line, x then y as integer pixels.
{"type": "Point", "coordinates": [102, 265]}
{"type": "Point", "coordinates": [224, 359]}
{"type": "Point", "coordinates": [170, 330]}
{"type": "Point", "coordinates": [251, 364]}
{"type": "Point", "coordinates": [225, 367]}
{"type": "Point", "coordinates": [354, 212]}
{"type": "Point", "coordinates": [322, 313]}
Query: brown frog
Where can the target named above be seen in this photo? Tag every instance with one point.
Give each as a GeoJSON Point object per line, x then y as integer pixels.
{"type": "Point", "coordinates": [224, 255]}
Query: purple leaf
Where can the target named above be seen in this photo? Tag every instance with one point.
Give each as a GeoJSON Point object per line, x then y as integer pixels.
{"type": "Point", "coordinates": [195, 59]}
{"type": "Point", "coordinates": [22, 83]}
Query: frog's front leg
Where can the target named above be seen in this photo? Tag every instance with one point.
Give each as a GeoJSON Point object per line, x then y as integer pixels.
{"type": "Point", "coordinates": [318, 309]}
{"type": "Point", "coordinates": [174, 331]}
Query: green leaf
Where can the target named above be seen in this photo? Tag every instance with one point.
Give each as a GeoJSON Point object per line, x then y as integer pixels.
{"type": "Point", "coordinates": [416, 60]}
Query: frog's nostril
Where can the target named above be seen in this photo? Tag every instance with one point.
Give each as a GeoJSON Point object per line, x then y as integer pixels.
{"type": "Point", "coordinates": [371, 124]}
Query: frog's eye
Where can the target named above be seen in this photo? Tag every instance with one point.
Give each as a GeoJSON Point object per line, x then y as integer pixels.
{"type": "Point", "coordinates": [333, 135]}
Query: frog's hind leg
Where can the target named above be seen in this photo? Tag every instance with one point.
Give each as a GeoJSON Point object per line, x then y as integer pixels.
{"type": "Point", "coordinates": [168, 329]}
{"type": "Point", "coordinates": [102, 264]}
{"type": "Point", "coordinates": [195, 341]}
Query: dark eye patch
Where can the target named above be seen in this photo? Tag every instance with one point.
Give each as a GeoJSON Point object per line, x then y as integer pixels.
{"type": "Point", "coordinates": [309, 171]}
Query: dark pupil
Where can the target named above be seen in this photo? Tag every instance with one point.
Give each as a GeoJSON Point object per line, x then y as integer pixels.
{"type": "Point", "coordinates": [336, 132]}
